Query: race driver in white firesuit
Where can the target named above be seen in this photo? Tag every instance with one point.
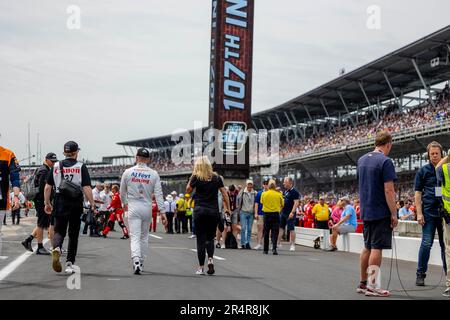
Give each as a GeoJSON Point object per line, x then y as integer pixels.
{"type": "Point", "coordinates": [137, 186]}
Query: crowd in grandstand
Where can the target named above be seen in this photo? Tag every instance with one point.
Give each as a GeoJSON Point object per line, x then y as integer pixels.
{"type": "Point", "coordinates": [393, 119]}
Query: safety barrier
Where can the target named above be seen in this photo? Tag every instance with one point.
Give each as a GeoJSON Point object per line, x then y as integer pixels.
{"type": "Point", "coordinates": [407, 248]}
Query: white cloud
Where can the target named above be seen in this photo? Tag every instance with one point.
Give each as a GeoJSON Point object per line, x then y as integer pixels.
{"type": "Point", "coordinates": [140, 68]}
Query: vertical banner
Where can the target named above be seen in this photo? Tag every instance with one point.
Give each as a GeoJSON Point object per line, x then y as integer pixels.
{"type": "Point", "coordinates": [231, 83]}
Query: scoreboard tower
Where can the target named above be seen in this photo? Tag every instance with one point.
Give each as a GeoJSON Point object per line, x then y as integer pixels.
{"type": "Point", "coordinates": [231, 84]}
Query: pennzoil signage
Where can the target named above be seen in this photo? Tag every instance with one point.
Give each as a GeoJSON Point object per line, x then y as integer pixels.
{"type": "Point", "coordinates": [231, 74]}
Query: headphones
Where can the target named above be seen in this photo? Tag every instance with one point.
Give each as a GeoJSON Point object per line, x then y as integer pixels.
{"type": "Point", "coordinates": [434, 144]}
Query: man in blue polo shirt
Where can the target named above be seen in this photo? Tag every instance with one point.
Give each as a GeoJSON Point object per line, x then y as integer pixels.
{"type": "Point", "coordinates": [428, 210]}
{"type": "Point", "coordinates": [287, 216]}
{"type": "Point", "coordinates": [376, 175]}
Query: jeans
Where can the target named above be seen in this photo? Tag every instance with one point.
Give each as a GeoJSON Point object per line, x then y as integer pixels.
{"type": "Point", "coordinates": [246, 227]}
{"type": "Point", "coordinates": [428, 232]}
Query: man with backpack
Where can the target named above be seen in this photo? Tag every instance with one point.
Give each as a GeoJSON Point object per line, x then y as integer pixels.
{"type": "Point", "coordinates": [43, 219]}
{"type": "Point", "coordinates": [70, 179]}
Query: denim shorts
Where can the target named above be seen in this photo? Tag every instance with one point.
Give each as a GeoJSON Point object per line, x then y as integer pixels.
{"type": "Point", "coordinates": [285, 221]}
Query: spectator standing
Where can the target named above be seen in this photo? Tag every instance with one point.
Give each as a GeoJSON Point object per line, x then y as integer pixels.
{"type": "Point", "coordinates": [321, 214]}
{"type": "Point", "coordinates": [376, 175]}
{"type": "Point", "coordinates": [429, 210]}
{"type": "Point", "coordinates": [180, 220]}
{"type": "Point", "coordinates": [259, 214]}
{"type": "Point", "coordinates": [272, 202]}
{"type": "Point", "coordinates": [246, 202]}
{"type": "Point", "coordinates": [232, 195]}
{"type": "Point", "coordinates": [288, 214]}
{"type": "Point", "coordinates": [15, 213]}
{"type": "Point", "coordinates": [170, 207]}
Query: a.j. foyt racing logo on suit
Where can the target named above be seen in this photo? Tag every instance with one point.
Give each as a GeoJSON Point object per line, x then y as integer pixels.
{"type": "Point", "coordinates": [139, 177]}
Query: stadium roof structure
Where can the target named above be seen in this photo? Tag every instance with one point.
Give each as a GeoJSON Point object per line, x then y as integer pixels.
{"type": "Point", "coordinates": [417, 66]}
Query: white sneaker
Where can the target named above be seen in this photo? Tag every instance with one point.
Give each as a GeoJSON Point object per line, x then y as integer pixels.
{"type": "Point", "coordinates": [192, 236]}
{"type": "Point", "coordinates": [258, 247]}
{"type": "Point", "coordinates": [69, 268]}
{"type": "Point", "coordinates": [292, 249]}
{"type": "Point", "coordinates": [137, 268]}
{"type": "Point", "coordinates": [200, 272]}
{"type": "Point", "coordinates": [222, 246]}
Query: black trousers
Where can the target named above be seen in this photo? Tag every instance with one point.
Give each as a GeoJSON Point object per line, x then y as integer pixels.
{"type": "Point", "coordinates": [205, 229]}
{"type": "Point", "coordinates": [271, 224]}
{"type": "Point", "coordinates": [14, 214]}
{"type": "Point", "coordinates": [180, 222]}
{"type": "Point", "coordinates": [189, 223]}
{"type": "Point", "coordinates": [68, 219]}
{"type": "Point", "coordinates": [169, 216]}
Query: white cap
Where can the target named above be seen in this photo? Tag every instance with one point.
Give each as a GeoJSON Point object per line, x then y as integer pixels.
{"type": "Point", "coordinates": [169, 198]}
{"type": "Point", "coordinates": [181, 195]}
{"type": "Point", "coordinates": [249, 181]}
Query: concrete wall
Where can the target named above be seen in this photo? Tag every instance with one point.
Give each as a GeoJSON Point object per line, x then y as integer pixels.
{"type": "Point", "coordinates": [407, 248]}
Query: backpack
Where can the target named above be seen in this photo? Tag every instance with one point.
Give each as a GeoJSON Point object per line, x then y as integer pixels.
{"type": "Point", "coordinates": [230, 242]}
{"type": "Point", "coordinates": [31, 187]}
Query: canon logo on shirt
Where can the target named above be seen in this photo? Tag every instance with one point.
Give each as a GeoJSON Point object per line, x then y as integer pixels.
{"type": "Point", "coordinates": [69, 170]}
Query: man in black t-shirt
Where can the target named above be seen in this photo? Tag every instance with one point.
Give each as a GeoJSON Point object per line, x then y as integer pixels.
{"type": "Point", "coordinates": [43, 221]}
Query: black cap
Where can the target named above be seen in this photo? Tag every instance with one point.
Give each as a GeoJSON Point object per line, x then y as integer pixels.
{"type": "Point", "coordinates": [70, 147]}
{"type": "Point", "coordinates": [51, 156]}
{"type": "Point", "coordinates": [142, 152]}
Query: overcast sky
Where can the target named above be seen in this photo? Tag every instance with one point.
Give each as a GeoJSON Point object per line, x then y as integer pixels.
{"type": "Point", "coordinates": [138, 69]}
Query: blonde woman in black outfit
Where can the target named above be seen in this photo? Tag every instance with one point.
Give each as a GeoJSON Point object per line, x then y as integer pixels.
{"type": "Point", "coordinates": [206, 184]}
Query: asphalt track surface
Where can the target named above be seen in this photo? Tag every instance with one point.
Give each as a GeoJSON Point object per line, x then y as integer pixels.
{"type": "Point", "coordinates": [106, 273]}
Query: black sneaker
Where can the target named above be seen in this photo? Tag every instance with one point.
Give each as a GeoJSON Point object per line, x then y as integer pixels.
{"type": "Point", "coordinates": [125, 237]}
{"type": "Point", "coordinates": [210, 269]}
{"type": "Point", "coordinates": [243, 247]}
{"type": "Point", "coordinates": [94, 235]}
{"type": "Point", "coordinates": [274, 252]}
{"type": "Point", "coordinates": [247, 246]}
{"type": "Point", "coordinates": [420, 280]}
{"type": "Point", "coordinates": [42, 251]}
{"type": "Point", "coordinates": [218, 245]}
{"type": "Point", "coordinates": [27, 245]}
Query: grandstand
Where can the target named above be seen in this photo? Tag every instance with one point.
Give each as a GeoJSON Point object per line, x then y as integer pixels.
{"type": "Point", "coordinates": [325, 131]}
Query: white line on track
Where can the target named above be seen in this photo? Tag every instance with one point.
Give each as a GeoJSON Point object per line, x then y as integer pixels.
{"type": "Point", "coordinates": [215, 257]}
{"type": "Point", "coordinates": [157, 237]}
{"type": "Point", "coordinates": [12, 266]}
